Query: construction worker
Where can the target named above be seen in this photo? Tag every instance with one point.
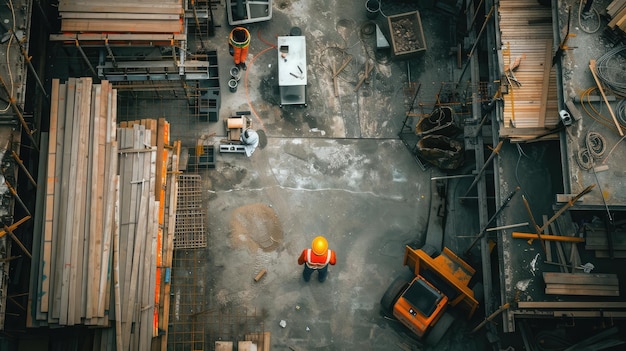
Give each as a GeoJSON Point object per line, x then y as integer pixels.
{"type": "Point", "coordinates": [317, 258]}
{"type": "Point", "coordinates": [239, 40]}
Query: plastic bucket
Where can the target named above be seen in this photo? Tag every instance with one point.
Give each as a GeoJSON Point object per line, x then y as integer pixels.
{"type": "Point", "coordinates": [232, 85]}
{"type": "Point", "coordinates": [372, 7]}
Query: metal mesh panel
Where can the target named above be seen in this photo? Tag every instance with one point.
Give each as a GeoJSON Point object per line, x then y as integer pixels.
{"type": "Point", "coordinates": [190, 229]}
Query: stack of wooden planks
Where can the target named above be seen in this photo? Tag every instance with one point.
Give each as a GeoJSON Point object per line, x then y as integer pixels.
{"type": "Point", "coordinates": [530, 108]}
{"type": "Point", "coordinates": [140, 16]}
{"type": "Point", "coordinates": [616, 12]}
{"type": "Point", "coordinates": [581, 284]}
{"type": "Point", "coordinates": [107, 239]}
{"type": "Point", "coordinates": [598, 241]}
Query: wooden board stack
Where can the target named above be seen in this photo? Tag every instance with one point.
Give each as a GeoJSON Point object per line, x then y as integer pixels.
{"type": "Point", "coordinates": [581, 284]}
{"type": "Point", "coordinates": [143, 16]}
{"type": "Point", "coordinates": [526, 34]}
{"type": "Point", "coordinates": [598, 241]}
{"type": "Point", "coordinates": [616, 12]}
{"type": "Point", "coordinates": [109, 220]}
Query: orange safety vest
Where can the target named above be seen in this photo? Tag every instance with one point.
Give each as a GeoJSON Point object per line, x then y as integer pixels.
{"type": "Point", "coordinates": [317, 265]}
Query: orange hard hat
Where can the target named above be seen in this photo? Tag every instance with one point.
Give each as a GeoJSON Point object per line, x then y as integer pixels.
{"type": "Point", "coordinates": [319, 245]}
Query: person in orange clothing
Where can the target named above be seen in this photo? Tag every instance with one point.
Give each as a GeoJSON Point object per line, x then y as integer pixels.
{"type": "Point", "coordinates": [239, 40]}
{"type": "Point", "coordinates": [317, 258]}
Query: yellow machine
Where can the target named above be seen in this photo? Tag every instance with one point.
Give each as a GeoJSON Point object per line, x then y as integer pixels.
{"type": "Point", "coordinates": [420, 300]}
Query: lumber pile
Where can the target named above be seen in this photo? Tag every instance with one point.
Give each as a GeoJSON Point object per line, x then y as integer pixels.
{"type": "Point", "coordinates": [145, 16]}
{"type": "Point", "coordinates": [616, 13]}
{"type": "Point", "coordinates": [581, 284]}
{"type": "Point", "coordinates": [598, 241]}
{"type": "Point", "coordinates": [530, 108]}
{"type": "Point", "coordinates": [107, 239]}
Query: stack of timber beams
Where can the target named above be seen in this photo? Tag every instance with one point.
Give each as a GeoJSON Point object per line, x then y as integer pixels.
{"type": "Point", "coordinates": [616, 13]}
{"type": "Point", "coordinates": [581, 284]}
{"type": "Point", "coordinates": [121, 16]}
{"type": "Point", "coordinates": [526, 34]}
{"type": "Point", "coordinates": [107, 238]}
{"type": "Point", "coordinates": [606, 244]}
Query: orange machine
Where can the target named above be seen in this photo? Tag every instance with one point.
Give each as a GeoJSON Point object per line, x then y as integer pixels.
{"type": "Point", "coordinates": [419, 300]}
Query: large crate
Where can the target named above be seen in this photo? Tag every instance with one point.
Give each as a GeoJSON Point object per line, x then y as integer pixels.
{"type": "Point", "coordinates": [407, 34]}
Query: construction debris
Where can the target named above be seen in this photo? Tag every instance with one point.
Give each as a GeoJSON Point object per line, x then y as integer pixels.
{"type": "Point", "coordinates": [260, 275]}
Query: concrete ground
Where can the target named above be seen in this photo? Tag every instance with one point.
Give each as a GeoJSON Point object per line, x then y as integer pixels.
{"type": "Point", "coordinates": [335, 168]}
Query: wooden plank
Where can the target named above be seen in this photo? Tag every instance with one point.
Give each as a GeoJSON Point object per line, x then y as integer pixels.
{"type": "Point", "coordinates": [605, 254]}
{"type": "Point", "coordinates": [573, 304]}
{"type": "Point", "coordinates": [126, 209]}
{"type": "Point", "coordinates": [170, 7]}
{"type": "Point", "coordinates": [614, 7]}
{"type": "Point", "coordinates": [616, 20]}
{"type": "Point", "coordinates": [91, 208]}
{"type": "Point", "coordinates": [567, 198]}
{"type": "Point", "coordinates": [109, 198]}
{"type": "Point", "coordinates": [559, 250]}
{"type": "Point", "coordinates": [586, 292]}
{"type": "Point", "coordinates": [81, 190]}
{"type": "Point", "coordinates": [566, 228]}
{"type": "Point", "coordinates": [116, 274]}
{"type": "Point", "coordinates": [172, 190]}
{"type": "Point", "coordinates": [134, 26]}
{"type": "Point", "coordinates": [138, 233]}
{"type": "Point", "coordinates": [605, 246]}
{"type": "Point", "coordinates": [72, 221]}
{"type": "Point", "coordinates": [580, 278]}
{"type": "Point", "coordinates": [547, 242]}
{"type": "Point", "coordinates": [97, 203]}
{"type": "Point", "coordinates": [120, 16]}
{"type": "Point", "coordinates": [160, 144]}
{"type": "Point", "coordinates": [34, 316]}
{"type": "Point", "coordinates": [147, 299]}
{"type": "Point", "coordinates": [546, 82]}
{"type": "Point", "coordinates": [56, 265]}
{"type": "Point", "coordinates": [67, 202]}
{"type": "Point", "coordinates": [583, 286]}
{"type": "Point", "coordinates": [102, 168]}
{"type": "Point", "coordinates": [51, 187]}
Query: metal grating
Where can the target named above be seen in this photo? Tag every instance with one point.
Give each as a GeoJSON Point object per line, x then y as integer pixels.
{"type": "Point", "coordinates": [235, 323]}
{"type": "Point", "coordinates": [190, 232]}
{"type": "Point", "coordinates": [186, 330]}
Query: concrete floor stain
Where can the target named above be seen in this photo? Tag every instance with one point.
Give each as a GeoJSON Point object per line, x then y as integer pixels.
{"type": "Point", "coordinates": [256, 226]}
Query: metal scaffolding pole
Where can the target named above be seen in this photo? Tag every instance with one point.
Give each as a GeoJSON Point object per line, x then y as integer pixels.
{"type": "Point", "coordinates": [93, 71]}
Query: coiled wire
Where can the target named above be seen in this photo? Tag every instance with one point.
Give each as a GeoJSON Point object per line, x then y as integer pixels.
{"type": "Point", "coordinates": [610, 70]}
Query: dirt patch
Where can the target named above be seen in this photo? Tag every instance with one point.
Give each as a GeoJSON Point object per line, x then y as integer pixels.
{"type": "Point", "coordinates": [256, 226]}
